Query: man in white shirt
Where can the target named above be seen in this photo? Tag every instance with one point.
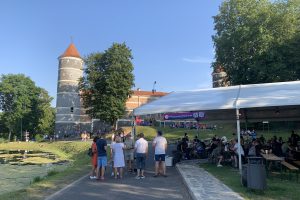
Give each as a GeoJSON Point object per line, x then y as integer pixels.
{"type": "Point", "coordinates": [141, 150]}
{"type": "Point", "coordinates": [160, 147]}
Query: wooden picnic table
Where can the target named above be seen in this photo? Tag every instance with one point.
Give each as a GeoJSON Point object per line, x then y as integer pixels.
{"type": "Point", "coordinates": [271, 157]}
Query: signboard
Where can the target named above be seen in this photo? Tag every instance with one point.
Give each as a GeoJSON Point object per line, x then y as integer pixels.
{"type": "Point", "coordinates": [185, 115]}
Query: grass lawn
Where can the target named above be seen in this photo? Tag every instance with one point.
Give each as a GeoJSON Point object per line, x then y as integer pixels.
{"type": "Point", "coordinates": [222, 130]}
{"type": "Point", "coordinates": [277, 188]}
{"type": "Point", "coordinates": [75, 152]}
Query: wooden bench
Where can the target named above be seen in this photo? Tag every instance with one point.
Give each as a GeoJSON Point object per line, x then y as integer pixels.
{"type": "Point", "coordinates": [291, 168]}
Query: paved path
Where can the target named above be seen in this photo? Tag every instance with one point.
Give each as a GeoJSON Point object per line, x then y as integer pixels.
{"type": "Point", "coordinates": [202, 185]}
{"type": "Point", "coordinates": [150, 188]}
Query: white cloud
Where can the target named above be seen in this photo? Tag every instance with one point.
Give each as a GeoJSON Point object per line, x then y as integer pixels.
{"type": "Point", "coordinates": [201, 60]}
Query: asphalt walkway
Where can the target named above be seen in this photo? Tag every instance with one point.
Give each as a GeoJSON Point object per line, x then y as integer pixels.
{"type": "Point", "coordinates": [171, 187]}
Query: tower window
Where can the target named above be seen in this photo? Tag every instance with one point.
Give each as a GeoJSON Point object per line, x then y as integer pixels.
{"type": "Point", "coordinates": [72, 109]}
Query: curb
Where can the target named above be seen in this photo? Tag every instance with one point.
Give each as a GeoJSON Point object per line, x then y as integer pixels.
{"type": "Point", "coordinates": [191, 194]}
{"type": "Point", "coordinates": [56, 194]}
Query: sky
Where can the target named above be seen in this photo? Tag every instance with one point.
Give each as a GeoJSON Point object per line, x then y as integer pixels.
{"type": "Point", "coordinates": [170, 39]}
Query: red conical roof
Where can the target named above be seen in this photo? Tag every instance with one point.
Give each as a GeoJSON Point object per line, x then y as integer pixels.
{"type": "Point", "coordinates": [71, 52]}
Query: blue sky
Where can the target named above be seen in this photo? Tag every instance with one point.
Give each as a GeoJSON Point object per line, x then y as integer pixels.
{"type": "Point", "coordinates": [170, 39]}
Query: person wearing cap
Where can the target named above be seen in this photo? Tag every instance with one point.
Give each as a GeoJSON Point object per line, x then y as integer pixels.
{"type": "Point", "coordinates": [129, 151]}
{"type": "Point", "coordinates": [160, 146]}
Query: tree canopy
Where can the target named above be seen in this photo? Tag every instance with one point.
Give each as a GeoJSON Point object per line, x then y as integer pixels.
{"type": "Point", "coordinates": [24, 105]}
{"type": "Point", "coordinates": [258, 41]}
{"type": "Point", "coordinates": [107, 82]}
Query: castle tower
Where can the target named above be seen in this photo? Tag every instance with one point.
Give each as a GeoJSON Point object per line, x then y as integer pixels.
{"type": "Point", "coordinates": [68, 109]}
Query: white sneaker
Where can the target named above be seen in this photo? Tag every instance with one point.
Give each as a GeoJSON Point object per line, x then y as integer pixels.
{"type": "Point", "coordinates": [219, 165]}
{"type": "Point", "coordinates": [92, 177]}
{"type": "Point", "coordinates": [137, 177]}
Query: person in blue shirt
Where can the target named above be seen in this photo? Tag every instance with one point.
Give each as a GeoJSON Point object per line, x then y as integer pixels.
{"type": "Point", "coordinates": [102, 156]}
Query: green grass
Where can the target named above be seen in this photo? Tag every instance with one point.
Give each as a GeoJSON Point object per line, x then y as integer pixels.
{"type": "Point", "coordinates": [222, 130]}
{"type": "Point", "coordinates": [277, 188]}
{"type": "Point", "coordinates": [75, 152]}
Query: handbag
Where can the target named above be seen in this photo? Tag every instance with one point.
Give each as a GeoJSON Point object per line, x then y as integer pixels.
{"type": "Point", "coordinates": [90, 152]}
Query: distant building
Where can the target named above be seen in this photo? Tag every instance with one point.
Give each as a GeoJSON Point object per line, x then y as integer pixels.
{"type": "Point", "coordinates": [139, 98]}
{"type": "Point", "coordinates": [71, 118]}
{"type": "Point", "coordinates": [219, 77]}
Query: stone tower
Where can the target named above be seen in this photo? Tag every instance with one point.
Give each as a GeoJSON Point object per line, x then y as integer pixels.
{"type": "Point", "coordinates": [68, 109]}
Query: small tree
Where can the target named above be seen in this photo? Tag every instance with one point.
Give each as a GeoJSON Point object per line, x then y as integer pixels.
{"type": "Point", "coordinates": [24, 106]}
{"type": "Point", "coordinates": [107, 83]}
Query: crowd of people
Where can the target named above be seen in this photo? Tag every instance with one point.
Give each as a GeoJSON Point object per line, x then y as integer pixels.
{"type": "Point", "coordinates": [123, 151]}
{"type": "Point", "coordinates": [220, 150]}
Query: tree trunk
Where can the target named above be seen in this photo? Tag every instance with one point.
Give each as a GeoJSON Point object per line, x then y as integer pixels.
{"type": "Point", "coordinates": [9, 135]}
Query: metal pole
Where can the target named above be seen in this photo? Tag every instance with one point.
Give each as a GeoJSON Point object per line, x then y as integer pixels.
{"type": "Point", "coordinates": [239, 138]}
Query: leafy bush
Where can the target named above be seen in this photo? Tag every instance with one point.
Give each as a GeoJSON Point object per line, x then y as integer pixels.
{"type": "Point", "coordinates": [36, 179]}
{"type": "Point", "coordinates": [52, 173]}
{"type": "Point", "coordinates": [39, 138]}
{"type": "Point", "coordinates": [2, 140]}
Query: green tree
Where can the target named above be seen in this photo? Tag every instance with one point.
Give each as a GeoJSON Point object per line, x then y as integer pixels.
{"type": "Point", "coordinates": [254, 40]}
{"type": "Point", "coordinates": [24, 106]}
{"type": "Point", "coordinates": [107, 83]}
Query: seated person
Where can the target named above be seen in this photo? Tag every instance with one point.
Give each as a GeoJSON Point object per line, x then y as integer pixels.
{"type": "Point", "coordinates": [213, 145]}
{"type": "Point", "coordinates": [254, 150]}
{"type": "Point", "coordinates": [196, 140]}
{"type": "Point", "coordinates": [235, 150]}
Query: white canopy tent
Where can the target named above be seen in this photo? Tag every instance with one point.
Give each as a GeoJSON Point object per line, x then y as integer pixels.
{"type": "Point", "coordinates": [234, 97]}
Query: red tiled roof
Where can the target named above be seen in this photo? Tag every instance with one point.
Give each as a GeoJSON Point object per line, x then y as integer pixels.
{"type": "Point", "coordinates": [71, 52]}
{"type": "Point", "coordinates": [148, 93]}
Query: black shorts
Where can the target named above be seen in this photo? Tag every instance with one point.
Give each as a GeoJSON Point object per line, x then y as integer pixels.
{"type": "Point", "coordinates": [160, 157]}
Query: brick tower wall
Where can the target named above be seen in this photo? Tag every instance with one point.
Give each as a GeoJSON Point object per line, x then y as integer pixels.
{"type": "Point", "coordinates": [68, 107]}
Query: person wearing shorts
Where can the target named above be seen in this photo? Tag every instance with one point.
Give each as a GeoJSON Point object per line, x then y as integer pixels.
{"type": "Point", "coordinates": [141, 150]}
{"type": "Point", "coordinates": [129, 151]}
{"type": "Point", "coordinates": [102, 156]}
{"type": "Point", "coordinates": [160, 147]}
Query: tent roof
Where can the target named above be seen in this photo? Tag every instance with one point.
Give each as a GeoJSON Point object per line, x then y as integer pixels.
{"type": "Point", "coordinates": [242, 96]}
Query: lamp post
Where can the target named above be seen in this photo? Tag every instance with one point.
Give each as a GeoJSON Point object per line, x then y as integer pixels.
{"type": "Point", "coordinates": [153, 90]}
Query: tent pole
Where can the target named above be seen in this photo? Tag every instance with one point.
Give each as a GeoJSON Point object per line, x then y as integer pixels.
{"type": "Point", "coordinates": [239, 138]}
{"type": "Point", "coordinates": [133, 131]}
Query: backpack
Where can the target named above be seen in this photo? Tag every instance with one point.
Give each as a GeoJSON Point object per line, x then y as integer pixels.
{"type": "Point", "coordinates": [90, 152]}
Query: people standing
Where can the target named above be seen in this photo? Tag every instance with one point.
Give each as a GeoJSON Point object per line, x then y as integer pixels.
{"type": "Point", "coordinates": [160, 146]}
{"type": "Point", "coordinates": [141, 150]}
{"type": "Point", "coordinates": [129, 151]}
{"type": "Point", "coordinates": [102, 156]}
{"type": "Point", "coordinates": [94, 158]}
{"type": "Point", "coordinates": [119, 162]}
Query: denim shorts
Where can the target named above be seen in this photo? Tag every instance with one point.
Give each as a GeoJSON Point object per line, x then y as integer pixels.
{"type": "Point", "coordinates": [160, 157]}
{"type": "Point", "coordinates": [102, 161]}
{"type": "Point", "coordinates": [140, 161]}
